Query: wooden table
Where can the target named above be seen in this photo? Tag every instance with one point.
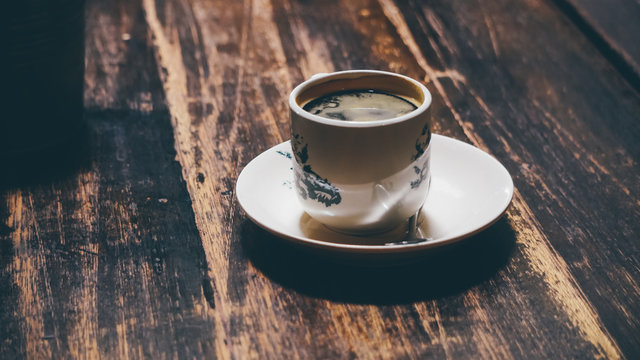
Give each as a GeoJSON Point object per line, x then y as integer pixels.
{"type": "Point", "coordinates": [142, 251]}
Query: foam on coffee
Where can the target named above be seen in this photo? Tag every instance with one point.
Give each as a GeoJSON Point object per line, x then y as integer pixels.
{"type": "Point", "coordinates": [359, 105]}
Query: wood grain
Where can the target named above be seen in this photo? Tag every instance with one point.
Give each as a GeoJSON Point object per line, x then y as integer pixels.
{"type": "Point", "coordinates": [619, 44]}
{"type": "Point", "coordinates": [143, 251]}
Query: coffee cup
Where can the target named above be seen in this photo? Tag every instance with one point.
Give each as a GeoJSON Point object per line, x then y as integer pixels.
{"type": "Point", "coordinates": [361, 144]}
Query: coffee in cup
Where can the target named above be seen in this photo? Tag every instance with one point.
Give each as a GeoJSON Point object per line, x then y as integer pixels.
{"type": "Point", "coordinates": [360, 105]}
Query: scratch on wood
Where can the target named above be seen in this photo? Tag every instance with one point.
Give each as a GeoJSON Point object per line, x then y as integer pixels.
{"type": "Point", "coordinates": [121, 330]}
{"type": "Point", "coordinates": [244, 36]}
{"type": "Point", "coordinates": [359, 338]}
{"type": "Point", "coordinates": [492, 32]}
{"type": "Point", "coordinates": [317, 55]}
{"type": "Point", "coordinates": [431, 321]}
{"type": "Point", "coordinates": [439, 29]}
{"type": "Point", "coordinates": [26, 267]}
{"type": "Point", "coordinates": [262, 16]}
{"type": "Point", "coordinates": [491, 343]}
{"type": "Point", "coordinates": [83, 339]}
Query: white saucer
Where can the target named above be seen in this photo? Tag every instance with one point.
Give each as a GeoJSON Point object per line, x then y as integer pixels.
{"type": "Point", "coordinates": [470, 190]}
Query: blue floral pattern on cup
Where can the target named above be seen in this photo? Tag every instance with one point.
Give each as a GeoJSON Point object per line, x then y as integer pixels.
{"type": "Point", "coordinates": [309, 184]}
{"type": "Point", "coordinates": [422, 143]}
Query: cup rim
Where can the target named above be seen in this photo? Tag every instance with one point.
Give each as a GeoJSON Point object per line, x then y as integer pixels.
{"type": "Point", "coordinates": [293, 104]}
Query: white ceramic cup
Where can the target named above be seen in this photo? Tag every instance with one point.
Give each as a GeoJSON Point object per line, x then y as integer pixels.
{"type": "Point", "coordinates": [361, 177]}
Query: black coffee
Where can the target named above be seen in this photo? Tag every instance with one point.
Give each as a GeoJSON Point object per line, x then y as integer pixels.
{"type": "Point", "coordinates": [360, 105]}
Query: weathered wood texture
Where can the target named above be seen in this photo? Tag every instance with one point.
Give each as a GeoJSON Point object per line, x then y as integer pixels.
{"type": "Point", "coordinates": [613, 26]}
{"type": "Point", "coordinates": [145, 253]}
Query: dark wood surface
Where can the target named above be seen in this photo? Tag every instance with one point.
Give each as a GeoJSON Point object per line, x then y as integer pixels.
{"type": "Point", "coordinates": [613, 29]}
{"type": "Point", "coordinates": [137, 248]}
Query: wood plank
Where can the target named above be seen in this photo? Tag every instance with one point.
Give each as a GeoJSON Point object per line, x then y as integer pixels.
{"type": "Point", "coordinates": [107, 261]}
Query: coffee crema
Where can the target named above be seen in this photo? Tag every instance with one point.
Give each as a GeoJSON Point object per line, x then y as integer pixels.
{"type": "Point", "coordinates": [360, 105]}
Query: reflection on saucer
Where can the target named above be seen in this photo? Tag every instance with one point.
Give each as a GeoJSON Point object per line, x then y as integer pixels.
{"type": "Point", "coordinates": [315, 230]}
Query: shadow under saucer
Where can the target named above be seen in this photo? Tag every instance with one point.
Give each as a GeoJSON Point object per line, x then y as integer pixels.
{"type": "Point", "coordinates": [380, 278]}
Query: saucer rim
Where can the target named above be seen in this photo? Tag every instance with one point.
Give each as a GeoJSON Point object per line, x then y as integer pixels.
{"type": "Point", "coordinates": [379, 249]}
